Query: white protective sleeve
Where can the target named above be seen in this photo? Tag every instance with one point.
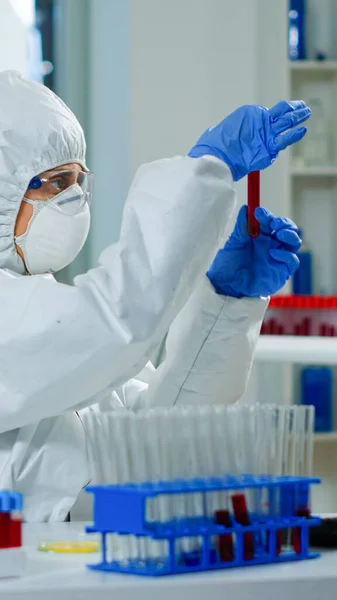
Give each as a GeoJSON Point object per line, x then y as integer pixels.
{"type": "Point", "coordinates": [60, 346]}
{"type": "Point", "coordinates": [209, 353]}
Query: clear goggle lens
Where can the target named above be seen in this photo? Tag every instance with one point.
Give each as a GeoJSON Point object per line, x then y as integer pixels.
{"type": "Point", "coordinates": [67, 190]}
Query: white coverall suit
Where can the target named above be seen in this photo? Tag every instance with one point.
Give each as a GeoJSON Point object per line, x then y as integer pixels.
{"type": "Point", "coordinates": [64, 348]}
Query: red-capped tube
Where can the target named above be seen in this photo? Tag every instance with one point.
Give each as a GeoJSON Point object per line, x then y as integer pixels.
{"type": "Point", "coordinates": [297, 329]}
{"type": "Point", "coordinates": [307, 326]}
{"type": "Point", "coordinates": [253, 203]}
{"type": "Point", "coordinates": [225, 541]}
{"type": "Point", "coordinates": [5, 519]}
{"type": "Point", "coordinates": [303, 327]}
{"type": "Point", "coordinates": [322, 330]}
{"type": "Point", "coordinates": [241, 516]}
{"type": "Point", "coordinates": [296, 532]}
{"type": "Point", "coordinates": [15, 532]}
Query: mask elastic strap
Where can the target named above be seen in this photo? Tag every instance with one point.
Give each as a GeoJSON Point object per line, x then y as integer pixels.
{"type": "Point", "coordinates": [31, 202]}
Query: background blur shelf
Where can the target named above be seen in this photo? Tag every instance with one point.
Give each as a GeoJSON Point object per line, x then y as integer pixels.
{"type": "Point", "coordinates": [326, 437]}
{"type": "Point", "coordinates": [313, 65]}
{"type": "Point", "coordinates": [297, 349]}
{"type": "Point", "coordinates": [328, 171]}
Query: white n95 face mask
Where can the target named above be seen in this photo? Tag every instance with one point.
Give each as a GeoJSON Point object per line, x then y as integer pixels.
{"type": "Point", "coordinates": [54, 237]}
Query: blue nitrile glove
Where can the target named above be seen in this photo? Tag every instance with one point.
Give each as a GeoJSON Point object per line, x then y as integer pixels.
{"type": "Point", "coordinates": [250, 138]}
{"type": "Point", "coordinates": [256, 266]}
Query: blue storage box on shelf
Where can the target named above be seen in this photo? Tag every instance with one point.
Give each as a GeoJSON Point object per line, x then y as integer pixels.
{"type": "Point", "coordinates": [296, 29]}
{"type": "Point", "coordinates": [317, 391]}
{"type": "Point", "coordinates": [241, 539]}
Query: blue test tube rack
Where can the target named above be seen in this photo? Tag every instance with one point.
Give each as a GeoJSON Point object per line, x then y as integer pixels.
{"type": "Point", "coordinates": [121, 509]}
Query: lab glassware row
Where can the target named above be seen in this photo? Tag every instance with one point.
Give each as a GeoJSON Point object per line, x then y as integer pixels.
{"type": "Point", "coordinates": [189, 489]}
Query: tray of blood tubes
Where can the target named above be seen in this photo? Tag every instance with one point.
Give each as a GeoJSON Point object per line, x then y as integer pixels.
{"type": "Point", "coordinates": [301, 315]}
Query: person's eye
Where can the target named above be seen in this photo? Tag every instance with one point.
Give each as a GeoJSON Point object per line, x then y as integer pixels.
{"type": "Point", "coordinates": [58, 183]}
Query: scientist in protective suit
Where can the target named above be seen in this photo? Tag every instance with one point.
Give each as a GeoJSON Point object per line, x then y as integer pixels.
{"type": "Point", "coordinates": [64, 348]}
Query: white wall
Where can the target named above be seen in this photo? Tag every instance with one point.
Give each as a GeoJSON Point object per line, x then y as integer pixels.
{"type": "Point", "coordinates": [192, 63]}
{"type": "Point", "coordinates": [188, 70]}
{"type": "Point", "coordinates": [13, 40]}
{"type": "Point", "coordinates": [161, 72]}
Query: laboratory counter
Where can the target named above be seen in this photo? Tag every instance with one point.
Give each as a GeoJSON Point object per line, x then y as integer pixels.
{"type": "Point", "coordinates": [64, 576]}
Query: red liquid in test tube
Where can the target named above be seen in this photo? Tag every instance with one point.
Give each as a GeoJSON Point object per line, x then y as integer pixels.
{"type": "Point", "coordinates": [297, 329]}
{"type": "Point", "coordinates": [302, 328]}
{"type": "Point", "coordinates": [15, 531]}
{"type": "Point", "coordinates": [273, 327]}
{"type": "Point", "coordinates": [241, 516]}
{"type": "Point", "coordinates": [307, 326]}
{"type": "Point", "coordinates": [322, 330]}
{"type": "Point", "coordinates": [253, 203]}
{"type": "Point", "coordinates": [296, 533]}
{"type": "Point", "coordinates": [225, 541]}
{"type": "Point", "coordinates": [5, 519]}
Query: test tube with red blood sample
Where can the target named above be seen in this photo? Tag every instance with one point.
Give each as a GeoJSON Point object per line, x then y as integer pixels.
{"type": "Point", "coordinates": [15, 530]}
{"type": "Point", "coordinates": [307, 321]}
{"type": "Point", "coordinates": [225, 541]}
{"type": "Point", "coordinates": [303, 466]}
{"type": "Point", "coordinates": [322, 330]}
{"type": "Point", "coordinates": [297, 329]}
{"type": "Point", "coordinates": [5, 522]}
{"type": "Point", "coordinates": [271, 326]}
{"type": "Point", "coordinates": [334, 315]}
{"type": "Point", "coordinates": [306, 326]}
{"type": "Point", "coordinates": [263, 329]}
{"type": "Point", "coordinates": [10, 519]}
{"type": "Point", "coordinates": [241, 516]}
{"type": "Point", "coordinates": [325, 329]}
{"type": "Point", "coordinates": [253, 203]}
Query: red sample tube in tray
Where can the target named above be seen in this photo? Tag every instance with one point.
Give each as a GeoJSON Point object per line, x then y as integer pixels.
{"type": "Point", "coordinates": [225, 541]}
{"type": "Point", "coordinates": [241, 516]}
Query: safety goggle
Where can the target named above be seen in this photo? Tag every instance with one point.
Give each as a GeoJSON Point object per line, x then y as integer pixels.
{"type": "Point", "coordinates": [67, 190]}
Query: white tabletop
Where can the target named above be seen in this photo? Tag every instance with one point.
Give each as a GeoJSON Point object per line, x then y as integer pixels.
{"type": "Point", "coordinates": [64, 576]}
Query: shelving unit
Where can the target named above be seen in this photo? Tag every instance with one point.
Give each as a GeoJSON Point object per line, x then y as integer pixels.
{"type": "Point", "coordinates": [307, 350]}
{"type": "Point", "coordinates": [326, 437]}
{"type": "Point", "coordinates": [308, 195]}
{"type": "Point", "coordinates": [300, 351]}
{"type": "Point", "coordinates": [303, 171]}
{"type": "Point", "coordinates": [329, 66]}
{"type": "Point", "coordinates": [313, 202]}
